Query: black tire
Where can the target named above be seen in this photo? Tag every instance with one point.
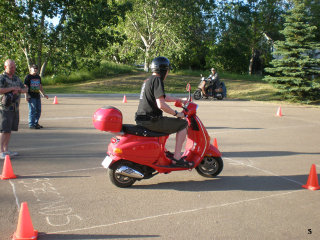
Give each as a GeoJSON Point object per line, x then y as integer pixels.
{"type": "Point", "coordinates": [220, 97]}
{"type": "Point", "coordinates": [197, 94]}
{"type": "Point", "coordinates": [210, 167]}
{"type": "Point", "coordinates": [118, 179]}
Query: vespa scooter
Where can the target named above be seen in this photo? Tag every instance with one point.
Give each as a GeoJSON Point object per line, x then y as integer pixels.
{"type": "Point", "coordinates": [136, 153]}
{"type": "Point", "coordinates": [218, 92]}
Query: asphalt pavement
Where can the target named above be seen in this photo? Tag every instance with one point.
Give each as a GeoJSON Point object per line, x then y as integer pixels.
{"type": "Point", "coordinates": [258, 195]}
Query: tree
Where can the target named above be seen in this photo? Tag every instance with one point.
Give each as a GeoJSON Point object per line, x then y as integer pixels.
{"type": "Point", "coordinates": [157, 27]}
{"type": "Point", "coordinates": [82, 30]}
{"type": "Point", "coordinates": [230, 51]}
{"type": "Point", "coordinates": [265, 18]}
{"type": "Point", "coordinates": [295, 71]}
{"type": "Point", "coordinates": [243, 28]}
{"type": "Point", "coordinates": [313, 7]}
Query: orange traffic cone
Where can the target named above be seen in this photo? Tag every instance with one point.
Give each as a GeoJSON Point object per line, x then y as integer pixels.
{"type": "Point", "coordinates": [7, 172]}
{"type": "Point", "coordinates": [215, 143]}
{"type": "Point", "coordinates": [279, 112]}
{"type": "Point", "coordinates": [55, 100]}
{"type": "Point", "coordinates": [312, 183]}
{"type": "Point", "coordinates": [124, 99]}
{"type": "Point", "coordinates": [25, 229]}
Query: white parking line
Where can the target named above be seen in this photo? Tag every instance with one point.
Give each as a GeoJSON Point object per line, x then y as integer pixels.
{"type": "Point", "coordinates": [175, 213]}
{"type": "Point", "coordinates": [189, 210]}
{"type": "Point", "coordinates": [213, 132]}
{"type": "Point", "coordinates": [58, 118]}
{"type": "Point", "coordinates": [49, 173]}
{"type": "Point", "coordinates": [262, 170]}
{"type": "Point", "coordinates": [63, 146]}
{"type": "Point", "coordinates": [15, 194]}
{"type": "Point", "coordinates": [284, 115]}
{"type": "Point", "coordinates": [75, 170]}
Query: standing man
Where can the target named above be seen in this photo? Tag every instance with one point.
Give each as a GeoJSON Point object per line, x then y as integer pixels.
{"type": "Point", "coordinates": [152, 105]}
{"type": "Point", "coordinates": [9, 111]}
{"type": "Point", "coordinates": [33, 82]}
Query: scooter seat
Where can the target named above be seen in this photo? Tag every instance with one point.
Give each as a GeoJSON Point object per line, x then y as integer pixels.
{"type": "Point", "coordinates": [140, 131]}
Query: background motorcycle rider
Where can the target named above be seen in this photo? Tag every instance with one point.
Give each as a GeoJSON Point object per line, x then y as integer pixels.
{"type": "Point", "coordinates": [214, 77]}
{"type": "Point", "coordinates": [152, 105]}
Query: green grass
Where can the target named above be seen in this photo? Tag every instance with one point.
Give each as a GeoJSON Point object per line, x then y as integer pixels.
{"type": "Point", "coordinates": [115, 78]}
{"type": "Point", "coordinates": [107, 69]}
{"type": "Point", "coordinates": [238, 86]}
{"type": "Point", "coordinates": [224, 75]}
{"type": "Point", "coordinates": [130, 81]}
{"type": "Point", "coordinates": [122, 83]}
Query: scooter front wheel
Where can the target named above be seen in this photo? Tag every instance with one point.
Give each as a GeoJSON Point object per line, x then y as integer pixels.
{"type": "Point", "coordinates": [197, 94]}
{"type": "Point", "coordinates": [210, 167]}
{"type": "Point", "coordinates": [118, 179]}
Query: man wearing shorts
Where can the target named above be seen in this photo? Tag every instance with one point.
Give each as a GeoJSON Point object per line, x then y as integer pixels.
{"type": "Point", "coordinates": [152, 105]}
{"type": "Point", "coordinates": [9, 111]}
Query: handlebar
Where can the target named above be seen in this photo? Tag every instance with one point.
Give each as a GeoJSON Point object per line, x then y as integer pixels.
{"type": "Point", "coordinates": [189, 108]}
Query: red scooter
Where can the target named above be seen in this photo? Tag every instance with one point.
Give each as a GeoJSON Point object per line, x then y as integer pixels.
{"type": "Point", "coordinates": [136, 153]}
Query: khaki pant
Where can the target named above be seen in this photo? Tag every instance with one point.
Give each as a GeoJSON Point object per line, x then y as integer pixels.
{"type": "Point", "coordinates": [202, 84]}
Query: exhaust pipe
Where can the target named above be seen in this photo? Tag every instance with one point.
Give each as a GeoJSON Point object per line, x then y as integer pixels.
{"type": "Point", "coordinates": [129, 172]}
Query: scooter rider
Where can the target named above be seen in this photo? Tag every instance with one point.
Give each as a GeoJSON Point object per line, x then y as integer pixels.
{"type": "Point", "coordinates": [214, 77]}
{"type": "Point", "coordinates": [152, 105]}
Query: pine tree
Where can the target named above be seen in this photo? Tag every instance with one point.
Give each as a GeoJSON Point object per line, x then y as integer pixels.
{"type": "Point", "coordinates": [296, 71]}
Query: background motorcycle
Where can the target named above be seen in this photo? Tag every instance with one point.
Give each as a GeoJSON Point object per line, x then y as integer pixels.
{"type": "Point", "coordinates": [136, 153]}
{"type": "Point", "coordinates": [211, 90]}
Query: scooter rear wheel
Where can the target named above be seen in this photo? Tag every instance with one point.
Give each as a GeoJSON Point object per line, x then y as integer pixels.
{"type": "Point", "coordinates": [197, 94]}
{"type": "Point", "coordinates": [210, 167]}
{"type": "Point", "coordinates": [118, 179]}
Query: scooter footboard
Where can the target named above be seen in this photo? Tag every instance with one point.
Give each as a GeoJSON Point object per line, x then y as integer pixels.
{"type": "Point", "coordinates": [193, 156]}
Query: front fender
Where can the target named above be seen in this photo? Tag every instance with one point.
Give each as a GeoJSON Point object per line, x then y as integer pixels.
{"type": "Point", "coordinates": [213, 151]}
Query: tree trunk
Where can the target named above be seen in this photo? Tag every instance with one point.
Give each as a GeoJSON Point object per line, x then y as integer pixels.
{"type": "Point", "coordinates": [146, 59]}
{"type": "Point", "coordinates": [39, 60]}
{"type": "Point", "coordinates": [251, 62]}
{"type": "Point", "coordinates": [45, 63]}
{"type": "Point", "coordinates": [25, 51]}
{"type": "Point", "coordinates": [43, 68]}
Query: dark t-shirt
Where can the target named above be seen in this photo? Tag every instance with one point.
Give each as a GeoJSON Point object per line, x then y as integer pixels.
{"type": "Point", "coordinates": [215, 80]}
{"type": "Point", "coordinates": [152, 89]}
{"type": "Point", "coordinates": [33, 82]}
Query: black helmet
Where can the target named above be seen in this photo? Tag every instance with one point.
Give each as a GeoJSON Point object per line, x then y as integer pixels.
{"type": "Point", "coordinates": [160, 64]}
